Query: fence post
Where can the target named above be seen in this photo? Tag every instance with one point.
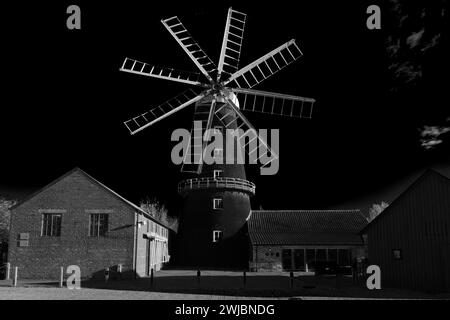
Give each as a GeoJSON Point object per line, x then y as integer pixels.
{"type": "Point", "coordinates": [106, 274]}
{"type": "Point", "coordinates": [119, 271]}
{"type": "Point", "coordinates": [16, 270]}
{"type": "Point", "coordinates": [61, 277]}
{"type": "Point", "coordinates": [8, 270]}
{"type": "Point", "coordinates": [291, 276]}
{"type": "Point", "coordinates": [198, 277]}
{"type": "Point", "coordinates": [245, 278]}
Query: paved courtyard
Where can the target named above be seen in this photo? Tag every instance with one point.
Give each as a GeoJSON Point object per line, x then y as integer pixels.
{"type": "Point", "coordinates": [212, 285]}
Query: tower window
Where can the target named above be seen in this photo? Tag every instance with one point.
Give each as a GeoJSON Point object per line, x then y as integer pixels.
{"type": "Point", "coordinates": [218, 153]}
{"type": "Point", "coordinates": [217, 203]}
{"type": "Point", "coordinates": [217, 235]}
{"type": "Point", "coordinates": [218, 174]}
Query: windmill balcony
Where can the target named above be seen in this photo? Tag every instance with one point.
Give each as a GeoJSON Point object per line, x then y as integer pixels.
{"type": "Point", "coordinates": [216, 183]}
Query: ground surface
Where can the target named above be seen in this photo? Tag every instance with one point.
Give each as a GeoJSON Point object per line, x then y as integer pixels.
{"type": "Point", "coordinates": [213, 285]}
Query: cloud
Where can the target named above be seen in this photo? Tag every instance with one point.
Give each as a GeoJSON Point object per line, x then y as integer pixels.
{"type": "Point", "coordinates": [414, 39]}
{"type": "Point", "coordinates": [416, 34]}
{"type": "Point", "coordinates": [429, 144]}
{"type": "Point", "coordinates": [433, 131]}
{"type": "Point", "coordinates": [430, 136]}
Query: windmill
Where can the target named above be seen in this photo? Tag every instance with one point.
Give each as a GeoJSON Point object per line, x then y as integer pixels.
{"type": "Point", "coordinates": [216, 197]}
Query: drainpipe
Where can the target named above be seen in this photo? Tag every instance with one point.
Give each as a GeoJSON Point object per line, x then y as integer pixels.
{"type": "Point", "coordinates": [135, 244]}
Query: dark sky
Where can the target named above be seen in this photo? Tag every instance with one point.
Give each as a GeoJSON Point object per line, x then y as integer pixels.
{"type": "Point", "coordinates": [64, 99]}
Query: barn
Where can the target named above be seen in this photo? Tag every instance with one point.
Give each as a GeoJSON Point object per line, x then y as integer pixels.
{"type": "Point", "coordinates": [297, 239]}
{"type": "Point", "coordinates": [76, 220]}
{"type": "Point", "coordinates": [410, 239]}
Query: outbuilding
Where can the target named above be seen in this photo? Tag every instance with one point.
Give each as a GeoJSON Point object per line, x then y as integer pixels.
{"type": "Point", "coordinates": [410, 239]}
{"type": "Point", "coordinates": [297, 239]}
{"type": "Point", "coordinates": [76, 220]}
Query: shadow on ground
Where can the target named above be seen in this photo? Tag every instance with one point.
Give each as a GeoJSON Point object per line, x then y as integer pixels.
{"type": "Point", "coordinates": [256, 285]}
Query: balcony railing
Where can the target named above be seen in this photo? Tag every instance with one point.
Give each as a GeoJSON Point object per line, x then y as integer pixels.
{"type": "Point", "coordinates": [218, 183]}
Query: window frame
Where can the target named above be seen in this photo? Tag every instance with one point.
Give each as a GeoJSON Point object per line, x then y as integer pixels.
{"type": "Point", "coordinates": [218, 155]}
{"type": "Point", "coordinates": [217, 236]}
{"type": "Point", "coordinates": [52, 215]}
{"type": "Point", "coordinates": [98, 234]}
{"type": "Point", "coordinates": [217, 174]}
{"type": "Point", "coordinates": [220, 200]}
{"type": "Point", "coordinates": [399, 256]}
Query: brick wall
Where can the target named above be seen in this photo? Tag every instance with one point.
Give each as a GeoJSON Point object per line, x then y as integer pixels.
{"type": "Point", "coordinates": [264, 259]}
{"type": "Point", "coordinates": [75, 194]}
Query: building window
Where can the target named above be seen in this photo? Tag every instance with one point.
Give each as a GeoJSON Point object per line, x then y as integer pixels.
{"type": "Point", "coordinates": [218, 174]}
{"type": "Point", "coordinates": [218, 203]}
{"type": "Point", "coordinates": [51, 225]}
{"type": "Point", "coordinates": [344, 257]}
{"type": "Point", "coordinates": [217, 235]}
{"type": "Point", "coordinates": [397, 254]}
{"type": "Point", "coordinates": [332, 255]}
{"type": "Point", "coordinates": [98, 226]}
{"type": "Point", "coordinates": [310, 256]}
{"type": "Point", "coordinates": [321, 255]}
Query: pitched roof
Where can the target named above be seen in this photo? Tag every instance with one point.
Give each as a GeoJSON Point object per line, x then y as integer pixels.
{"type": "Point", "coordinates": [305, 227]}
{"type": "Point", "coordinates": [425, 174]}
{"type": "Point", "coordinates": [78, 170]}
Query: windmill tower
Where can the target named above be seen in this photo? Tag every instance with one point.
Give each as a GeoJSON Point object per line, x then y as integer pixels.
{"type": "Point", "coordinates": [217, 195]}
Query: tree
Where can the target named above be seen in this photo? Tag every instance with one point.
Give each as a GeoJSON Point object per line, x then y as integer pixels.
{"type": "Point", "coordinates": [376, 209]}
{"type": "Point", "coordinates": [159, 212]}
{"type": "Point", "coordinates": [5, 216]}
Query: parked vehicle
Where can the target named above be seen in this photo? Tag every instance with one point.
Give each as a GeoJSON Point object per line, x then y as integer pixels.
{"type": "Point", "coordinates": [330, 268]}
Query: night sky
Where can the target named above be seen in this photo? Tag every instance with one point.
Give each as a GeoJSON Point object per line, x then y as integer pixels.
{"type": "Point", "coordinates": [64, 100]}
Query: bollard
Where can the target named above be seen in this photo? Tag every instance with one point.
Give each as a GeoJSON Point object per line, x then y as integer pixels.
{"type": "Point", "coordinates": [16, 271]}
{"type": "Point", "coordinates": [291, 276]}
{"type": "Point", "coordinates": [106, 274]}
{"type": "Point", "coordinates": [245, 278]}
{"type": "Point", "coordinates": [198, 277]}
{"type": "Point", "coordinates": [119, 271]}
{"type": "Point", "coordinates": [8, 271]}
{"type": "Point", "coordinates": [61, 277]}
{"type": "Point", "coordinates": [151, 276]}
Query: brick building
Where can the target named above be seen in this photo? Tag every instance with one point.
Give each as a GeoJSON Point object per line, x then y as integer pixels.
{"type": "Point", "coordinates": [410, 239]}
{"type": "Point", "coordinates": [296, 239]}
{"type": "Point", "coordinates": [76, 220]}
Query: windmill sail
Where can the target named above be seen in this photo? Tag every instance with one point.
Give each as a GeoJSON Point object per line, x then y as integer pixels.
{"type": "Point", "coordinates": [232, 43]}
{"type": "Point", "coordinates": [266, 66]}
{"type": "Point", "coordinates": [225, 82]}
{"type": "Point", "coordinates": [162, 111]}
{"type": "Point", "coordinates": [190, 46]}
{"type": "Point", "coordinates": [203, 117]}
{"type": "Point", "coordinates": [241, 122]}
{"type": "Point", "coordinates": [145, 69]}
{"type": "Point", "coordinates": [274, 103]}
